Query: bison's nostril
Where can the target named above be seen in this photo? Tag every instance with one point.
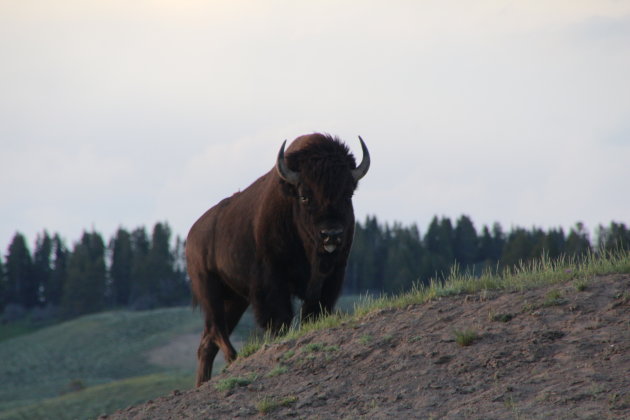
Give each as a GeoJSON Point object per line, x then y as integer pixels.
{"type": "Point", "coordinates": [331, 234]}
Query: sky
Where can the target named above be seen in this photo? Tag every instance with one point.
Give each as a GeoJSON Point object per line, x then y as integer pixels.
{"type": "Point", "coordinates": [117, 113]}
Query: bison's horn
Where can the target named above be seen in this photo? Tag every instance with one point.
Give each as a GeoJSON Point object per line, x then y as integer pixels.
{"type": "Point", "coordinates": [283, 170]}
{"type": "Point", "coordinates": [363, 167]}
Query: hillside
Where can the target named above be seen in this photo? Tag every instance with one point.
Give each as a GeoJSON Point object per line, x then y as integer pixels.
{"type": "Point", "coordinates": [93, 364]}
{"type": "Point", "coordinates": [555, 351]}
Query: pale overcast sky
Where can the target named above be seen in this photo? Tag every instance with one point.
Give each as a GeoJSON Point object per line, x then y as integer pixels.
{"type": "Point", "coordinates": [118, 113]}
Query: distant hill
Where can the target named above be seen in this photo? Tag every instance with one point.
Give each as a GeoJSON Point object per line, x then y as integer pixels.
{"type": "Point", "coordinates": [106, 359]}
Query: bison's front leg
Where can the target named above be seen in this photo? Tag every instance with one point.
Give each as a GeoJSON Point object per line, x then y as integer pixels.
{"type": "Point", "coordinates": [314, 306]}
{"type": "Point", "coordinates": [271, 302]}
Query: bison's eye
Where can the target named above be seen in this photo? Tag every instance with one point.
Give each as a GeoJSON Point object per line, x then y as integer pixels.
{"type": "Point", "coordinates": [304, 199]}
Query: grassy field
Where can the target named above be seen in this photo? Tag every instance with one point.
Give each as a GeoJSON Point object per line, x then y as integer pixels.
{"type": "Point", "coordinates": [86, 357]}
{"type": "Point", "coordinates": [17, 328]}
{"type": "Point", "coordinates": [101, 399]}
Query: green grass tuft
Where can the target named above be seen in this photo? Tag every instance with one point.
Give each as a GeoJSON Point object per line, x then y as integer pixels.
{"type": "Point", "coordinates": [502, 317]}
{"type": "Point", "coordinates": [554, 298]}
{"type": "Point", "coordinates": [466, 337]}
{"type": "Point", "coordinates": [581, 285]}
{"type": "Point", "coordinates": [278, 370]}
{"type": "Point", "coordinates": [313, 347]}
{"type": "Point", "coordinates": [250, 347]}
{"type": "Point", "coordinates": [365, 339]}
{"type": "Point", "coordinates": [287, 355]}
{"type": "Point", "coordinates": [233, 382]}
{"type": "Point", "coordinates": [269, 404]}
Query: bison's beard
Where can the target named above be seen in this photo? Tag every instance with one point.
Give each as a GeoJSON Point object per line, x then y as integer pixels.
{"type": "Point", "coordinates": [327, 263]}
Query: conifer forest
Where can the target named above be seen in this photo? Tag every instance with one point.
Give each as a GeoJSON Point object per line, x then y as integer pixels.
{"type": "Point", "coordinates": [54, 279]}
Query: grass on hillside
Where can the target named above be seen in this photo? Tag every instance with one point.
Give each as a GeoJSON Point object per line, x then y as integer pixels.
{"type": "Point", "coordinates": [536, 273]}
{"type": "Point", "coordinates": [15, 329]}
{"type": "Point", "coordinates": [88, 351]}
{"type": "Point", "coordinates": [102, 399]}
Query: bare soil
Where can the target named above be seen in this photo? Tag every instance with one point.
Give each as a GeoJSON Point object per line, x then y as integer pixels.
{"type": "Point", "coordinates": [551, 352]}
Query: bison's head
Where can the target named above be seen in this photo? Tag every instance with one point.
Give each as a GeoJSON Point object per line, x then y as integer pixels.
{"type": "Point", "coordinates": [321, 175]}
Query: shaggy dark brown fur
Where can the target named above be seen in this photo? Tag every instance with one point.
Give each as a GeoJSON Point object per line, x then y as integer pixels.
{"type": "Point", "coordinates": [267, 243]}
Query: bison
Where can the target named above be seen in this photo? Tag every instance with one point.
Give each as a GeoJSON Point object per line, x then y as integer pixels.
{"type": "Point", "coordinates": [286, 235]}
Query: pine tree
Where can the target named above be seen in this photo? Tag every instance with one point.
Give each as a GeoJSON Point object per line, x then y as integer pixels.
{"type": "Point", "coordinates": [3, 287]}
{"type": "Point", "coordinates": [486, 248]}
{"type": "Point", "coordinates": [84, 290]}
{"type": "Point", "coordinates": [403, 266]}
{"type": "Point", "coordinates": [21, 287]}
{"type": "Point", "coordinates": [141, 294]}
{"type": "Point", "coordinates": [499, 240]}
{"type": "Point", "coordinates": [179, 255]}
{"type": "Point", "coordinates": [160, 265]}
{"type": "Point", "coordinates": [466, 243]}
{"type": "Point", "coordinates": [379, 238]}
{"type": "Point", "coordinates": [538, 241]}
{"type": "Point", "coordinates": [447, 239]}
{"type": "Point", "coordinates": [42, 265]}
{"type": "Point", "coordinates": [54, 290]}
{"type": "Point", "coordinates": [356, 262]}
{"type": "Point", "coordinates": [366, 264]}
{"type": "Point", "coordinates": [578, 243]}
{"type": "Point", "coordinates": [179, 267]}
{"type": "Point", "coordinates": [121, 267]}
{"type": "Point", "coordinates": [432, 237]}
{"type": "Point", "coordinates": [439, 241]}
{"type": "Point", "coordinates": [518, 248]}
{"type": "Point", "coordinates": [614, 238]}
{"type": "Point", "coordinates": [555, 243]}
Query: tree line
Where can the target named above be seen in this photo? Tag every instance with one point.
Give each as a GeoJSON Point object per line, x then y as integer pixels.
{"type": "Point", "coordinates": [138, 270]}
{"type": "Point", "coordinates": [132, 270]}
{"type": "Point", "coordinates": [391, 258]}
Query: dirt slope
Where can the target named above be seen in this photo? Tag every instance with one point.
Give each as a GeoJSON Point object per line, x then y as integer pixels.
{"type": "Point", "coordinates": [554, 352]}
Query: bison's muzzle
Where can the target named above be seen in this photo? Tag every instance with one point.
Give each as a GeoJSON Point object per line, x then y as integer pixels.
{"type": "Point", "coordinates": [331, 239]}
